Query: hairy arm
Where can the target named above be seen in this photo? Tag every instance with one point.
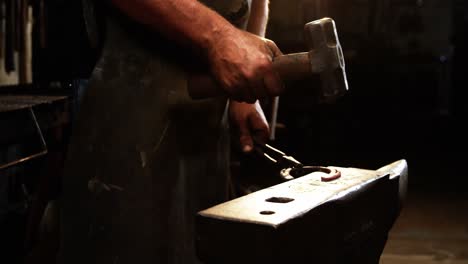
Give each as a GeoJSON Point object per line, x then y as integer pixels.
{"type": "Point", "coordinates": [187, 22]}
{"type": "Point", "coordinates": [239, 60]}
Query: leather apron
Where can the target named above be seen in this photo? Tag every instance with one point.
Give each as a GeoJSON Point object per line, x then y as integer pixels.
{"type": "Point", "coordinates": [143, 157]}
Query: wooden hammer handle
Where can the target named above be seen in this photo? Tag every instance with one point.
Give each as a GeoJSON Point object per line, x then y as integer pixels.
{"type": "Point", "coordinates": [293, 66]}
{"type": "Point", "coordinates": [290, 67]}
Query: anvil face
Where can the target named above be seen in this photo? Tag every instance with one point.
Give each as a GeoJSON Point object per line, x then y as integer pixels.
{"type": "Point", "coordinates": [307, 220]}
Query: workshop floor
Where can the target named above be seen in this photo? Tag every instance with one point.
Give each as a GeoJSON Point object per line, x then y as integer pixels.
{"type": "Point", "coordinates": [432, 229]}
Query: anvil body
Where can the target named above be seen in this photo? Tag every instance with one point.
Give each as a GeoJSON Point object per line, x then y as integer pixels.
{"type": "Point", "coordinates": [307, 220]}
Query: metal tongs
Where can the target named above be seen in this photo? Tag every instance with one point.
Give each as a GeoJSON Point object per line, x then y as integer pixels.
{"type": "Point", "coordinates": [279, 159]}
{"type": "Point", "coordinates": [289, 166]}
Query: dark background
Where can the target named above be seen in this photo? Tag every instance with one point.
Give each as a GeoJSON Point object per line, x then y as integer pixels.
{"type": "Point", "coordinates": [405, 62]}
{"type": "Point", "coordinates": [406, 68]}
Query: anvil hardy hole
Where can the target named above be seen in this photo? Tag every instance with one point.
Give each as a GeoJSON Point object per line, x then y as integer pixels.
{"type": "Point", "coordinates": [279, 200]}
{"type": "Point", "coordinates": [267, 212]}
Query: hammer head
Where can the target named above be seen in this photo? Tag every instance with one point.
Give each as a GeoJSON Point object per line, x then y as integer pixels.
{"type": "Point", "coordinates": [326, 57]}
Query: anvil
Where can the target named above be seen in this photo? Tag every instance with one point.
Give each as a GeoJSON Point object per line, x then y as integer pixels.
{"type": "Point", "coordinates": [309, 219]}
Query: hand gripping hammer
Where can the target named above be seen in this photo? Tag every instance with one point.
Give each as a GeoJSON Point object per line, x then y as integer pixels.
{"type": "Point", "coordinates": [325, 57]}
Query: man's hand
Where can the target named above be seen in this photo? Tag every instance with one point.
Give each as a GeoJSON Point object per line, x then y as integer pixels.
{"type": "Point", "coordinates": [249, 122]}
{"type": "Point", "coordinates": [240, 61]}
{"type": "Point", "coordinates": [242, 64]}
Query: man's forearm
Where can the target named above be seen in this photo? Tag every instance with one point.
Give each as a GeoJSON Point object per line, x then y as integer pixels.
{"type": "Point", "coordinates": [187, 22]}
{"type": "Point", "coordinates": [238, 60]}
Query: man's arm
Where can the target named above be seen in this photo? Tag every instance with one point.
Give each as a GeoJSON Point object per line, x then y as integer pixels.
{"type": "Point", "coordinates": [249, 119]}
{"type": "Point", "coordinates": [257, 25]}
{"type": "Point", "coordinates": [187, 22]}
{"type": "Point", "coordinates": [240, 61]}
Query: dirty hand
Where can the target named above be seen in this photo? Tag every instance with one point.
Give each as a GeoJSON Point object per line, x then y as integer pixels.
{"type": "Point", "coordinates": [249, 122]}
{"type": "Point", "coordinates": [242, 64]}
